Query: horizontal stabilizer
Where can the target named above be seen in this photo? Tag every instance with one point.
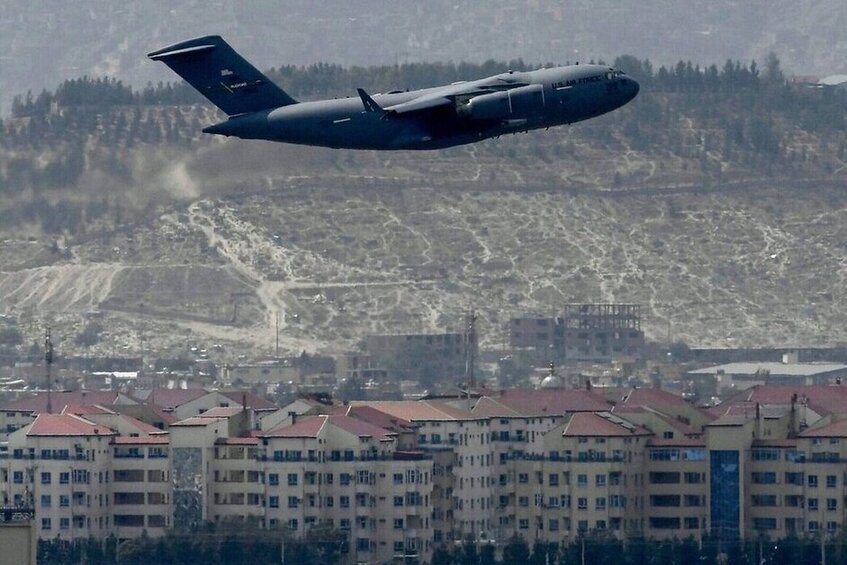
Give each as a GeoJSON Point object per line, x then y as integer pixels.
{"type": "Point", "coordinates": [212, 66]}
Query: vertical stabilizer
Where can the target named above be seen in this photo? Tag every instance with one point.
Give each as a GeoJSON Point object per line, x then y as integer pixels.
{"type": "Point", "coordinates": [223, 76]}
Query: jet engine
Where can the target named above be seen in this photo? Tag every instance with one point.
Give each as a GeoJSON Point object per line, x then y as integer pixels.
{"type": "Point", "coordinates": [518, 102]}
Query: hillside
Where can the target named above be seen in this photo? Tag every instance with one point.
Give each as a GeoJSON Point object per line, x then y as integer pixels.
{"type": "Point", "coordinates": [716, 200]}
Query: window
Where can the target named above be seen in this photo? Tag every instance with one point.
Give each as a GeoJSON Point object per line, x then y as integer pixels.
{"type": "Point", "coordinates": [46, 478]}
{"type": "Point", "coordinates": [398, 501]}
{"type": "Point", "coordinates": [45, 501]}
{"type": "Point", "coordinates": [523, 478]}
{"type": "Point", "coordinates": [344, 501]}
{"type": "Point", "coordinates": [293, 502]}
{"type": "Point", "coordinates": [273, 501]}
{"type": "Point", "coordinates": [554, 479]}
{"type": "Point", "coordinates": [617, 501]}
{"type": "Point", "coordinates": [46, 524]}
{"type": "Point", "coordinates": [292, 479]}
{"type": "Point", "coordinates": [794, 479]}
{"type": "Point", "coordinates": [18, 477]}
{"type": "Point", "coordinates": [582, 503]}
{"type": "Point", "coordinates": [694, 454]}
{"type": "Point", "coordinates": [831, 504]}
{"type": "Point", "coordinates": [344, 479]}
{"type": "Point", "coordinates": [694, 500]}
{"type": "Point", "coordinates": [398, 523]}
{"type": "Point", "coordinates": [813, 503]}
{"type": "Point", "coordinates": [523, 524]}
{"type": "Point", "coordinates": [293, 524]}
{"type": "Point", "coordinates": [600, 480]}
{"type": "Point", "coordinates": [692, 523]}
{"type": "Point", "coordinates": [813, 481]}
{"type": "Point", "coordinates": [553, 525]}
{"type": "Point", "coordinates": [64, 500]}
{"type": "Point", "coordinates": [763, 500]}
{"type": "Point", "coordinates": [831, 481]}
{"type": "Point", "coordinates": [764, 523]}
{"type": "Point", "coordinates": [363, 544]}
{"type": "Point", "coordinates": [764, 455]}
{"type": "Point", "coordinates": [794, 501]}
{"type": "Point", "coordinates": [523, 501]}
{"type": "Point", "coordinates": [398, 478]}
{"type": "Point", "coordinates": [664, 454]}
{"type": "Point", "coordinates": [64, 523]}
{"type": "Point", "coordinates": [273, 479]}
{"type": "Point", "coordinates": [582, 480]}
{"type": "Point", "coordinates": [657, 478]}
{"type": "Point", "coordinates": [64, 478]}
{"type": "Point", "coordinates": [600, 503]}
{"type": "Point", "coordinates": [694, 478]}
{"type": "Point", "coordinates": [764, 478]}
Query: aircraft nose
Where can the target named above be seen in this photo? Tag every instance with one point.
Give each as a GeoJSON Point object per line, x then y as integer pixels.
{"type": "Point", "coordinates": [630, 87]}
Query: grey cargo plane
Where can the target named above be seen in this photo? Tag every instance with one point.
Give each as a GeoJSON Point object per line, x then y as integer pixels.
{"type": "Point", "coordinates": [431, 118]}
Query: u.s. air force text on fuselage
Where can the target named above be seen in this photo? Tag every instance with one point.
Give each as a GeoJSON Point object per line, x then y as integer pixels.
{"type": "Point", "coordinates": [429, 118]}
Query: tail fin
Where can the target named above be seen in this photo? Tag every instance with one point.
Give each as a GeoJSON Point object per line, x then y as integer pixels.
{"type": "Point", "coordinates": [223, 76]}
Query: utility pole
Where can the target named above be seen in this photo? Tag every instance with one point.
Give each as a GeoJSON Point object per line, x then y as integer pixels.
{"type": "Point", "coordinates": [48, 358]}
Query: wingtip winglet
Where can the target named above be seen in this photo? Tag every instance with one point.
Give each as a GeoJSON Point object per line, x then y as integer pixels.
{"type": "Point", "coordinates": [368, 102]}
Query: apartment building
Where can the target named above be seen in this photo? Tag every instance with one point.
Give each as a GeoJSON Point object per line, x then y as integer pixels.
{"type": "Point", "coordinates": [60, 465]}
{"type": "Point", "coordinates": [402, 477]}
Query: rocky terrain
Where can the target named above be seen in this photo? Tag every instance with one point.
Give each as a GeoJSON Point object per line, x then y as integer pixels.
{"type": "Point", "coordinates": [330, 245]}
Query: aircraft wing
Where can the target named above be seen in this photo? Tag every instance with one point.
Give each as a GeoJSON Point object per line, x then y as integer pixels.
{"type": "Point", "coordinates": [449, 95]}
{"type": "Point", "coordinates": [420, 103]}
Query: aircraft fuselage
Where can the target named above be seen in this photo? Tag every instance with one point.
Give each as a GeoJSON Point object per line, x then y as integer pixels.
{"type": "Point", "coordinates": [566, 95]}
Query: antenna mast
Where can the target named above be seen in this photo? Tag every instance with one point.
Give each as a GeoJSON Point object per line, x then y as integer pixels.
{"type": "Point", "coordinates": [48, 359]}
{"type": "Point", "coordinates": [470, 349]}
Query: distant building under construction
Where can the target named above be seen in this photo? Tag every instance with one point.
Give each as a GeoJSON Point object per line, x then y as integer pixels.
{"type": "Point", "coordinates": [586, 332]}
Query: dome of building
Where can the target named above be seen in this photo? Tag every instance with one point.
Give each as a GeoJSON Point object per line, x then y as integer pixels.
{"type": "Point", "coordinates": [551, 381]}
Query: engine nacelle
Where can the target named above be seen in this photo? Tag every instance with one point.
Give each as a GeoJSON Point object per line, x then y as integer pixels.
{"type": "Point", "coordinates": [520, 102]}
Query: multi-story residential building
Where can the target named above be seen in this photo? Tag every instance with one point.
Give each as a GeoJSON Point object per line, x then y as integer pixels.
{"type": "Point", "coordinates": [402, 477]}
{"type": "Point", "coordinates": [141, 491]}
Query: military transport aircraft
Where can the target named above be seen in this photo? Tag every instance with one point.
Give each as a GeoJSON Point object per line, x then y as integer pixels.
{"type": "Point", "coordinates": [431, 118]}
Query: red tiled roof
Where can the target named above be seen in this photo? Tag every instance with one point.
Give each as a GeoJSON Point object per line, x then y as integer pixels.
{"type": "Point", "coordinates": [198, 421]}
{"type": "Point", "coordinates": [161, 439]}
{"type": "Point", "coordinates": [652, 397]}
{"type": "Point", "coordinates": [221, 412]}
{"type": "Point", "coordinates": [492, 408]}
{"type": "Point", "coordinates": [309, 426]}
{"type": "Point", "coordinates": [66, 425]}
{"type": "Point", "coordinates": [360, 428]}
{"type": "Point", "coordinates": [147, 411]}
{"type": "Point", "coordinates": [823, 399]}
{"type": "Point", "coordinates": [835, 429]}
{"type": "Point", "coordinates": [254, 401]}
{"type": "Point", "coordinates": [377, 418]}
{"type": "Point", "coordinates": [38, 404]}
{"type": "Point", "coordinates": [173, 397]}
{"type": "Point", "coordinates": [87, 409]}
{"type": "Point", "coordinates": [590, 424]}
{"type": "Point", "coordinates": [417, 410]}
{"type": "Point", "coordinates": [550, 402]}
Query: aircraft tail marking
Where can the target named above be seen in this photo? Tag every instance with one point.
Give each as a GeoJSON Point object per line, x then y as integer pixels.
{"type": "Point", "coordinates": [212, 66]}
